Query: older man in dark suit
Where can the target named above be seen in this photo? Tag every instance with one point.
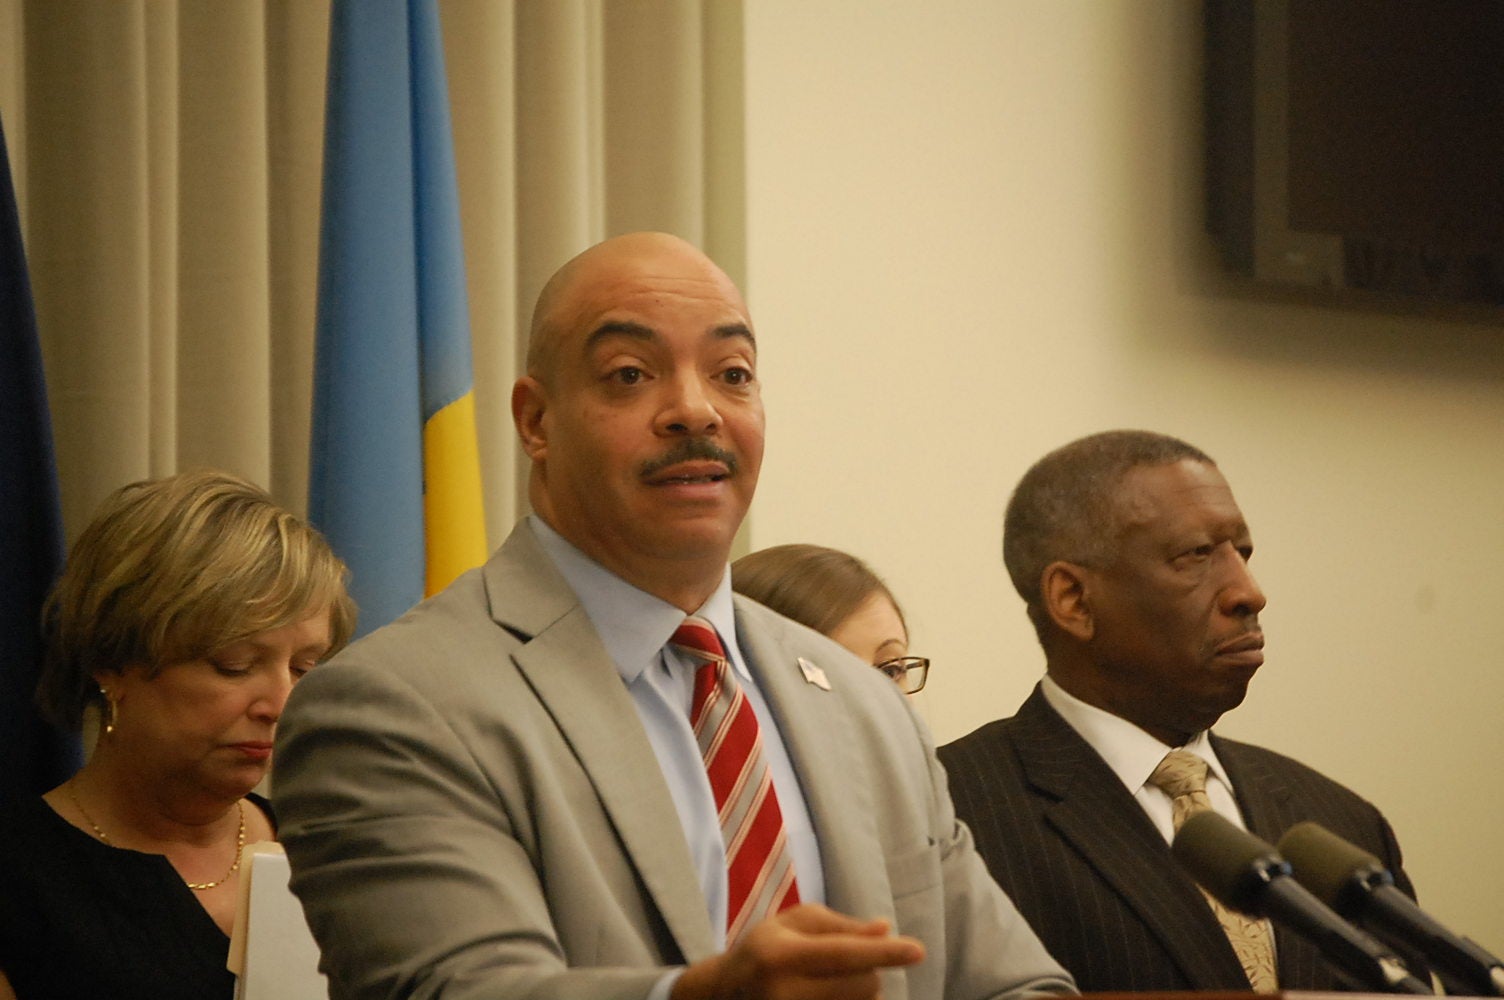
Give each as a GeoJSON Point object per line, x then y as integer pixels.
{"type": "Point", "coordinates": [1132, 557]}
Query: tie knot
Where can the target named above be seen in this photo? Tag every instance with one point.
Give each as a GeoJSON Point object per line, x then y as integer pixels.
{"type": "Point", "coordinates": [1180, 773]}
{"type": "Point", "coordinates": [697, 638]}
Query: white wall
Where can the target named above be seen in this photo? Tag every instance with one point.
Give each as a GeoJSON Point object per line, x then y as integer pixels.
{"type": "Point", "coordinates": [975, 234]}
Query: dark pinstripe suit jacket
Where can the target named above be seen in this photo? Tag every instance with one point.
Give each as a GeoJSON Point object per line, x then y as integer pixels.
{"type": "Point", "coordinates": [1089, 870]}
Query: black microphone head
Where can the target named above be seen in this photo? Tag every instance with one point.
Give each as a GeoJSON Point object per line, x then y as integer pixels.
{"type": "Point", "coordinates": [1231, 864]}
{"type": "Point", "coordinates": [1335, 870]}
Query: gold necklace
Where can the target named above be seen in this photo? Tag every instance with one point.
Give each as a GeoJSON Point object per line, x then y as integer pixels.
{"type": "Point", "coordinates": [198, 886]}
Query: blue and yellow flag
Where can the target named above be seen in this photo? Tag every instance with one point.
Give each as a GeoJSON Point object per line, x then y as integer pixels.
{"type": "Point", "coordinates": [34, 757]}
{"type": "Point", "coordinates": [395, 473]}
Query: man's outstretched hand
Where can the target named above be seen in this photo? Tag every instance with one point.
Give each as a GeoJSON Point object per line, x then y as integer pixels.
{"type": "Point", "coordinates": [807, 952]}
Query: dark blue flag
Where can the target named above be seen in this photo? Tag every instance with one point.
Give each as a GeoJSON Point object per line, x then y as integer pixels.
{"type": "Point", "coordinates": [33, 756]}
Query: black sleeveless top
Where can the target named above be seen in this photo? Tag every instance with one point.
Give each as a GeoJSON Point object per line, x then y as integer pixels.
{"type": "Point", "coordinates": [79, 918]}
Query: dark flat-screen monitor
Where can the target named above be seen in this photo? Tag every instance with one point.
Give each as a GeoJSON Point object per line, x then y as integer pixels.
{"type": "Point", "coordinates": [1358, 145]}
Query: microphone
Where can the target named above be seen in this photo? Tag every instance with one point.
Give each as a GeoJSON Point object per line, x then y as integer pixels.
{"type": "Point", "coordinates": [1248, 875]}
{"type": "Point", "coordinates": [1358, 886]}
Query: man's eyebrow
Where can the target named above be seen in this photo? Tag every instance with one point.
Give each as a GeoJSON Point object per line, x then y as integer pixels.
{"type": "Point", "coordinates": [730, 330]}
{"type": "Point", "coordinates": [619, 328]}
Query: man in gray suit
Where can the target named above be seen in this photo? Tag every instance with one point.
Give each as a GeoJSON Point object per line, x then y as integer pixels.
{"type": "Point", "coordinates": [501, 794]}
{"type": "Point", "coordinates": [1132, 559]}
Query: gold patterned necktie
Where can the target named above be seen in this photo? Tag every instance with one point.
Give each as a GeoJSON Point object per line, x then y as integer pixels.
{"type": "Point", "coordinates": [1182, 776]}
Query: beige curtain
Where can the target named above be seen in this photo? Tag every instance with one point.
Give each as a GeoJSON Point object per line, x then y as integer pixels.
{"type": "Point", "coordinates": [167, 154]}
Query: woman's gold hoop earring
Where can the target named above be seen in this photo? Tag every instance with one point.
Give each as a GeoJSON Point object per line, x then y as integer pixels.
{"type": "Point", "coordinates": [111, 712]}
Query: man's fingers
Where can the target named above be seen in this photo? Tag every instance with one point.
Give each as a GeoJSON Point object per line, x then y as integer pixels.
{"type": "Point", "coordinates": [844, 954]}
{"type": "Point", "coordinates": [813, 918]}
{"type": "Point", "coordinates": [813, 940]}
{"type": "Point", "coordinates": [805, 950]}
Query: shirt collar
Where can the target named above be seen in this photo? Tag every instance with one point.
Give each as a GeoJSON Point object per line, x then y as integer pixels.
{"type": "Point", "coordinates": [1131, 753]}
{"type": "Point", "coordinates": [633, 625]}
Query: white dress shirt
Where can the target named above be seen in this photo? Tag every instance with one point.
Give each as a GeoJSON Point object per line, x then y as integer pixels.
{"type": "Point", "coordinates": [1133, 754]}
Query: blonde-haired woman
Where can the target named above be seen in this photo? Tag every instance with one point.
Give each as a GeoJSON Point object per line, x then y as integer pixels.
{"type": "Point", "coordinates": [187, 610]}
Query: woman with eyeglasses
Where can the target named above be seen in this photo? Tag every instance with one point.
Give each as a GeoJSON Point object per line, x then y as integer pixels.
{"type": "Point", "coordinates": [836, 594]}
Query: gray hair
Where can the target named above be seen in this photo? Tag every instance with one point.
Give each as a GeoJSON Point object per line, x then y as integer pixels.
{"type": "Point", "coordinates": [1064, 508]}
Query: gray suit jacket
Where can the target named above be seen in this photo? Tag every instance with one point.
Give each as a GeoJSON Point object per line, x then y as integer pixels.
{"type": "Point", "coordinates": [1096, 879]}
{"type": "Point", "coordinates": [472, 809]}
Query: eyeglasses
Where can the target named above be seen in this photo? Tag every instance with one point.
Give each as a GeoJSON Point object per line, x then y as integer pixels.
{"type": "Point", "coordinates": [908, 672]}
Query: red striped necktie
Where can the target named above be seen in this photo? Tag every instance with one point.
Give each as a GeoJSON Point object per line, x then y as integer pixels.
{"type": "Point", "coordinates": [759, 868]}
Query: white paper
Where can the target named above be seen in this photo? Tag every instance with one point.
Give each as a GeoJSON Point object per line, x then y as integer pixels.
{"type": "Point", "coordinates": [272, 951]}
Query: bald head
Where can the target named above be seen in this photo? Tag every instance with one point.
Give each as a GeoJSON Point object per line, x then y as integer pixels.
{"type": "Point", "coordinates": [589, 282]}
{"type": "Point", "coordinates": [642, 414]}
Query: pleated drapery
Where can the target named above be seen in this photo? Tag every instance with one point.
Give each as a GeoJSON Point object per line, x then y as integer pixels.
{"type": "Point", "coordinates": [167, 156]}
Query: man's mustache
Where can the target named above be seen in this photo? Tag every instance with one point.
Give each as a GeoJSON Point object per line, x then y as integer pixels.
{"type": "Point", "coordinates": [690, 450]}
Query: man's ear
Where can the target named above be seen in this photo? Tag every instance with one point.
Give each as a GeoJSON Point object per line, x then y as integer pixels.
{"type": "Point", "coordinates": [1063, 589]}
{"type": "Point", "coordinates": [529, 403]}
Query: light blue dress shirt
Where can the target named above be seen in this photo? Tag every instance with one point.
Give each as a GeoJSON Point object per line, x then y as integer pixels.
{"type": "Point", "coordinates": [635, 628]}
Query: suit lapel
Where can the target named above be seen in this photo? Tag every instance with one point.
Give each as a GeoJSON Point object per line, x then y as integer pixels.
{"type": "Point", "coordinates": [817, 734]}
{"type": "Point", "coordinates": [1263, 796]}
{"type": "Point", "coordinates": [567, 666]}
{"type": "Point", "coordinates": [1268, 811]}
{"type": "Point", "coordinates": [1097, 816]}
